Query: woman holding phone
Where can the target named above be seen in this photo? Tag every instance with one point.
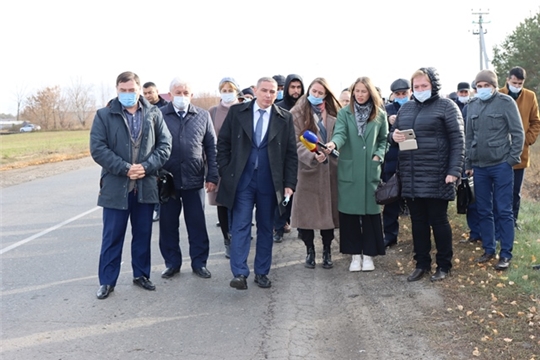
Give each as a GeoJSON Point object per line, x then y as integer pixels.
{"type": "Point", "coordinates": [429, 130]}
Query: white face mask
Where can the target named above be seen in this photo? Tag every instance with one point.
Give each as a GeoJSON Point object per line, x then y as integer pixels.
{"type": "Point", "coordinates": [513, 89]}
{"type": "Point", "coordinates": [181, 102]}
{"type": "Point", "coordinates": [228, 98]}
{"type": "Point", "coordinates": [463, 99]}
{"type": "Point", "coordinates": [422, 95]}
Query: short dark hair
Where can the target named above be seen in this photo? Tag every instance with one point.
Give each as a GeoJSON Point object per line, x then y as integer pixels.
{"type": "Point", "coordinates": [128, 76]}
{"type": "Point", "coordinates": [149, 84]}
{"type": "Point", "coordinates": [518, 72]}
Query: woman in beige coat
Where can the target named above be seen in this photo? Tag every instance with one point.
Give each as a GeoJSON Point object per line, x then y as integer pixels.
{"type": "Point", "coordinates": [315, 200]}
{"type": "Point", "coordinates": [228, 91]}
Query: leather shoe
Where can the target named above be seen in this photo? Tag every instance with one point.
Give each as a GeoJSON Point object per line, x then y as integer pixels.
{"type": "Point", "coordinates": [503, 264]}
{"type": "Point", "coordinates": [239, 282]}
{"type": "Point", "coordinates": [485, 258]}
{"type": "Point", "coordinates": [144, 282]}
{"type": "Point", "coordinates": [439, 275]}
{"type": "Point", "coordinates": [104, 291]}
{"type": "Point", "coordinates": [389, 243]}
{"type": "Point", "coordinates": [263, 281]}
{"type": "Point", "coordinates": [170, 272]}
{"type": "Point", "coordinates": [278, 238]}
{"type": "Point", "coordinates": [417, 274]}
{"type": "Point", "coordinates": [202, 273]}
{"type": "Point", "coordinates": [536, 267]}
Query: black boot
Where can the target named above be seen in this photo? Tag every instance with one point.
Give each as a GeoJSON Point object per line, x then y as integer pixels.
{"type": "Point", "coordinates": [227, 242]}
{"type": "Point", "coordinates": [310, 258]}
{"type": "Point", "coordinates": [327, 257]}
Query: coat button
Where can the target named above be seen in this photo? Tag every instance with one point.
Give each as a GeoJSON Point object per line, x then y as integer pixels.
{"type": "Point", "coordinates": [364, 148]}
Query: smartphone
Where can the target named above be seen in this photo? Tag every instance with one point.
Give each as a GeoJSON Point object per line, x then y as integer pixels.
{"type": "Point", "coordinates": [409, 134]}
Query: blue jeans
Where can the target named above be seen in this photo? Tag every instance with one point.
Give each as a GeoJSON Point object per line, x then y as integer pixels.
{"type": "Point", "coordinates": [518, 182]}
{"type": "Point", "coordinates": [493, 187]}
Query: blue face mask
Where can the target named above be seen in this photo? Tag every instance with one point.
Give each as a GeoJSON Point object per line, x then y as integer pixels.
{"type": "Point", "coordinates": [128, 99]}
{"type": "Point", "coordinates": [484, 93]}
{"type": "Point", "coordinates": [315, 100]}
{"type": "Point", "coordinates": [401, 101]}
{"type": "Point", "coordinates": [422, 95]}
{"type": "Point", "coordinates": [279, 95]}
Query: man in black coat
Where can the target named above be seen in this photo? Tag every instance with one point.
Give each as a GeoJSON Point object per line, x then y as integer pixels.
{"type": "Point", "coordinates": [258, 163]}
{"type": "Point", "coordinates": [401, 89]}
{"type": "Point", "coordinates": [293, 89]}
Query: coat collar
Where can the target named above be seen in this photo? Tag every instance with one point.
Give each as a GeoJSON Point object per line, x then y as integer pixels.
{"type": "Point", "coordinates": [277, 119]}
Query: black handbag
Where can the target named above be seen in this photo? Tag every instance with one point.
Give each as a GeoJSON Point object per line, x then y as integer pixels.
{"type": "Point", "coordinates": [465, 194]}
{"type": "Point", "coordinates": [166, 188]}
{"type": "Point", "coordinates": [390, 191]}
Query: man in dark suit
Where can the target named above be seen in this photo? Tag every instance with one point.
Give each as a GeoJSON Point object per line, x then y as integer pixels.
{"type": "Point", "coordinates": [257, 162]}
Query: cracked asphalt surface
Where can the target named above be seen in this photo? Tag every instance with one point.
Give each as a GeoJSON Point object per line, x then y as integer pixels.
{"type": "Point", "coordinates": [49, 309]}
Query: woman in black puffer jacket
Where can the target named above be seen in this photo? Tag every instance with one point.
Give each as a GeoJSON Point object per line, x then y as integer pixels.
{"type": "Point", "coordinates": [429, 173]}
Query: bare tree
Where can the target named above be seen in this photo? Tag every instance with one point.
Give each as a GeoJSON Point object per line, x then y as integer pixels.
{"type": "Point", "coordinates": [80, 100]}
{"type": "Point", "coordinates": [205, 100]}
{"type": "Point", "coordinates": [21, 92]}
{"type": "Point", "coordinates": [46, 108]}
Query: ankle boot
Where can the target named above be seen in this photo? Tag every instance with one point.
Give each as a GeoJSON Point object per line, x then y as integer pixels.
{"type": "Point", "coordinates": [327, 257]}
{"type": "Point", "coordinates": [310, 258]}
{"type": "Point", "coordinates": [227, 242]}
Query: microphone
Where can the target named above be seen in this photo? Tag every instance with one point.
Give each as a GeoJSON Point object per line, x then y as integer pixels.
{"type": "Point", "coordinates": [313, 139]}
{"type": "Point", "coordinates": [311, 147]}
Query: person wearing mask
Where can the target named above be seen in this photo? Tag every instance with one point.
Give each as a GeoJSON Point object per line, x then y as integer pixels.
{"type": "Point", "coordinates": [494, 143]}
{"type": "Point", "coordinates": [463, 95]}
{"type": "Point", "coordinates": [528, 109]}
{"type": "Point", "coordinates": [131, 142]}
{"type": "Point", "coordinates": [151, 94]}
{"type": "Point", "coordinates": [473, 219]}
{"type": "Point", "coordinates": [429, 172]}
{"type": "Point", "coordinates": [294, 88]}
{"type": "Point", "coordinates": [401, 92]}
{"type": "Point", "coordinates": [247, 95]}
{"type": "Point", "coordinates": [257, 162]}
{"type": "Point", "coordinates": [194, 169]}
{"type": "Point", "coordinates": [228, 92]}
{"type": "Point", "coordinates": [280, 79]}
{"type": "Point", "coordinates": [360, 136]}
{"type": "Point", "coordinates": [315, 199]}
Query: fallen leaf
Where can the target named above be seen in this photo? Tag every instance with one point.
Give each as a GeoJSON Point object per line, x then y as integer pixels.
{"type": "Point", "coordinates": [495, 331]}
{"type": "Point", "coordinates": [493, 297]}
{"type": "Point", "coordinates": [507, 340]}
{"type": "Point", "coordinates": [469, 313]}
{"type": "Point", "coordinates": [476, 352]}
{"type": "Point", "coordinates": [510, 283]}
{"type": "Point", "coordinates": [460, 307]}
{"type": "Point", "coordinates": [525, 277]}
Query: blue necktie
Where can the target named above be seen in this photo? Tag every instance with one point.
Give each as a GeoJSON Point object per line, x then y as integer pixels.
{"type": "Point", "coordinates": [258, 128]}
{"type": "Point", "coordinates": [181, 114]}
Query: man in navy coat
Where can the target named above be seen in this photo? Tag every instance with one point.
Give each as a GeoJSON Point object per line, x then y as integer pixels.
{"type": "Point", "coordinates": [257, 162]}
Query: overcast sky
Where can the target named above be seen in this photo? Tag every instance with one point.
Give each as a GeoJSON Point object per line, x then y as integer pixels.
{"type": "Point", "coordinates": [47, 43]}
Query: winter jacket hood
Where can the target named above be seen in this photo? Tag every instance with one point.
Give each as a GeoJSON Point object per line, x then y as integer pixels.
{"type": "Point", "coordinates": [288, 101]}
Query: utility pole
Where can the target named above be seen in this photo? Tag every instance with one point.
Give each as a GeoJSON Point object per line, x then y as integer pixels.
{"type": "Point", "coordinates": [481, 31]}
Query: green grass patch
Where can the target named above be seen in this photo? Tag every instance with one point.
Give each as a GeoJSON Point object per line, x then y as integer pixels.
{"type": "Point", "coordinates": [24, 149]}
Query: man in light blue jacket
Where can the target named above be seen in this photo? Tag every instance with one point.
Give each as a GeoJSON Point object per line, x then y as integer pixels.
{"type": "Point", "coordinates": [131, 142]}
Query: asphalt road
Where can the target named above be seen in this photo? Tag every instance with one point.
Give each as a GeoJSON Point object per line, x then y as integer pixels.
{"type": "Point", "coordinates": [50, 242]}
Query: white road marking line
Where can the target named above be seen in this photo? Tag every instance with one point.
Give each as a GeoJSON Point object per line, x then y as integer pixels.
{"type": "Point", "coordinates": [46, 231]}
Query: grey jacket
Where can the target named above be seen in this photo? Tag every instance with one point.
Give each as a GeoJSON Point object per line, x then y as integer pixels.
{"type": "Point", "coordinates": [111, 148]}
{"type": "Point", "coordinates": [494, 132]}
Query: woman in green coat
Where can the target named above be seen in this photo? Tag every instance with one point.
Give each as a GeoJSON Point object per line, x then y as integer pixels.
{"type": "Point", "coordinates": [360, 136]}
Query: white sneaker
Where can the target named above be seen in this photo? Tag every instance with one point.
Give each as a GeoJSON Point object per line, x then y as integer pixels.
{"type": "Point", "coordinates": [356, 263]}
{"type": "Point", "coordinates": [367, 263]}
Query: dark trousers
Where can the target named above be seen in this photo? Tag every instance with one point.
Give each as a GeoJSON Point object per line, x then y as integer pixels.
{"type": "Point", "coordinates": [241, 218]}
{"type": "Point", "coordinates": [473, 221]}
{"type": "Point", "coordinates": [493, 186]}
{"type": "Point", "coordinates": [223, 218]}
{"type": "Point", "coordinates": [361, 234]}
{"type": "Point", "coordinates": [114, 231]}
{"type": "Point", "coordinates": [308, 235]}
{"type": "Point", "coordinates": [391, 220]}
{"type": "Point", "coordinates": [169, 229]}
{"type": "Point", "coordinates": [431, 215]}
{"type": "Point", "coordinates": [281, 220]}
{"type": "Point", "coordinates": [518, 182]}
